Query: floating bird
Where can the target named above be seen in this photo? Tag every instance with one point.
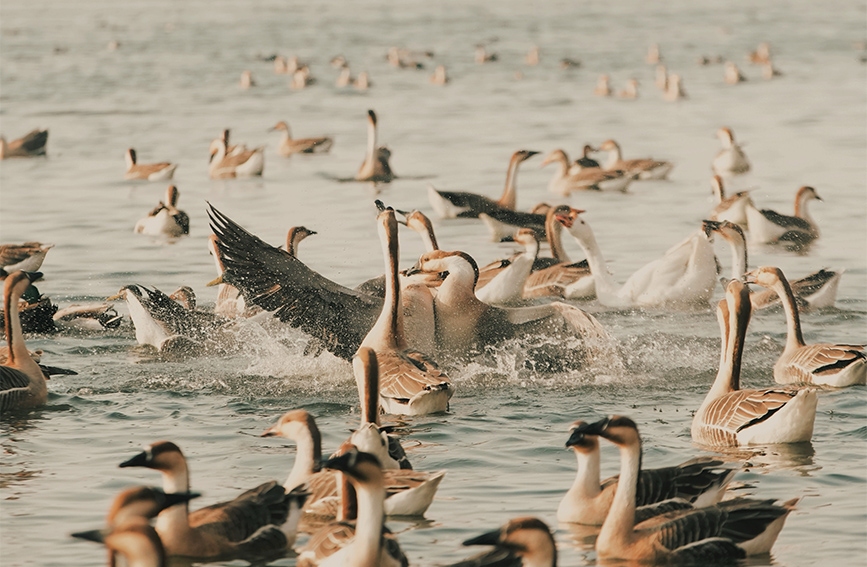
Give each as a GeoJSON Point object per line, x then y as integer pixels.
{"type": "Point", "coordinates": [30, 145]}
{"type": "Point", "coordinates": [248, 163]}
{"type": "Point", "coordinates": [641, 168]}
{"type": "Point", "coordinates": [585, 161]}
{"type": "Point", "coordinates": [653, 56]}
{"type": "Point", "coordinates": [770, 227]}
{"type": "Point", "coordinates": [568, 179]}
{"type": "Point", "coordinates": [522, 542]}
{"type": "Point", "coordinates": [731, 159]}
{"type": "Point", "coordinates": [289, 146]}
{"type": "Point", "coordinates": [166, 219]}
{"type": "Point", "coordinates": [769, 71]}
{"type": "Point", "coordinates": [247, 79]}
{"type": "Point", "coordinates": [532, 57]}
{"type": "Point", "coordinates": [630, 91]}
{"type": "Point", "coordinates": [90, 317]}
{"type": "Point", "coordinates": [482, 55]}
{"type": "Point", "coordinates": [375, 166]}
{"type": "Point", "coordinates": [27, 257]}
{"type": "Point", "coordinates": [661, 80]}
{"type": "Point", "coordinates": [674, 89]}
{"type": "Point", "coordinates": [439, 76]}
{"type": "Point", "coordinates": [603, 86]}
{"type": "Point", "coordinates": [732, 74]}
{"type": "Point", "coordinates": [822, 363]}
{"type": "Point", "coordinates": [732, 208]}
{"type": "Point", "coordinates": [731, 417]}
{"type": "Point", "coordinates": [162, 171]}
{"type": "Point", "coordinates": [761, 55]}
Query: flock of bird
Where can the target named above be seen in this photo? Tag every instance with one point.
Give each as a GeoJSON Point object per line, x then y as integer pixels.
{"type": "Point", "coordinates": [398, 329]}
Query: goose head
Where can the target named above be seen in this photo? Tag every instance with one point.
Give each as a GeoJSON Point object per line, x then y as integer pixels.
{"type": "Point", "coordinates": [618, 429]}
{"type": "Point", "coordinates": [163, 456]}
{"type": "Point", "coordinates": [359, 466]}
{"type": "Point", "coordinates": [726, 137]}
{"type": "Point", "coordinates": [282, 125]}
{"type": "Point", "coordinates": [580, 440]}
{"type": "Point", "coordinates": [558, 156]}
{"type": "Point", "coordinates": [766, 276]}
{"type": "Point", "coordinates": [528, 538]}
{"type": "Point", "coordinates": [460, 266]}
{"type": "Point", "coordinates": [292, 425]}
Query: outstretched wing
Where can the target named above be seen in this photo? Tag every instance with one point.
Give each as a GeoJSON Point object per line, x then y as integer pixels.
{"type": "Point", "coordinates": [277, 281]}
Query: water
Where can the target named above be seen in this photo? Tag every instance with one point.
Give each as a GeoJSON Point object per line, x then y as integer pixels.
{"type": "Point", "coordinates": [173, 85]}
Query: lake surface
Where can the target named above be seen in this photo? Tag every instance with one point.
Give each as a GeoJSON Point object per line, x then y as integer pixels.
{"type": "Point", "coordinates": [172, 85]}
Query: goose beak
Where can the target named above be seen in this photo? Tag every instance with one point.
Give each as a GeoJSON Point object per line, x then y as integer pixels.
{"type": "Point", "coordinates": [118, 295]}
{"type": "Point", "coordinates": [216, 281]}
{"type": "Point", "coordinates": [270, 432]}
{"type": "Point", "coordinates": [97, 536]}
{"type": "Point", "coordinates": [489, 538]}
{"type": "Point", "coordinates": [36, 276]}
{"type": "Point", "coordinates": [140, 460]}
{"type": "Point", "coordinates": [710, 226]}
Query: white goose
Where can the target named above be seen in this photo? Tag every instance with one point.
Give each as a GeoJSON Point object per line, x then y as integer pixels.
{"type": "Point", "coordinates": [822, 363]}
{"type": "Point", "coordinates": [685, 275]}
{"type": "Point", "coordinates": [732, 74]}
{"type": "Point", "coordinates": [564, 182]}
{"type": "Point", "coordinates": [731, 159]}
{"type": "Point", "coordinates": [731, 417]}
{"type": "Point", "coordinates": [815, 291]}
{"type": "Point", "coordinates": [162, 171]}
{"type": "Point", "coordinates": [508, 285]}
{"type": "Point", "coordinates": [732, 208]}
{"type": "Point", "coordinates": [603, 86]}
{"type": "Point", "coordinates": [166, 219]}
{"type": "Point", "coordinates": [410, 383]}
{"type": "Point", "coordinates": [674, 89]}
{"type": "Point", "coordinates": [249, 163]}
{"type": "Point", "coordinates": [643, 168]}
{"type": "Point", "coordinates": [22, 383]}
{"type": "Point", "coordinates": [701, 481]}
{"type": "Point", "coordinates": [375, 166]}
{"type": "Point", "coordinates": [770, 227]}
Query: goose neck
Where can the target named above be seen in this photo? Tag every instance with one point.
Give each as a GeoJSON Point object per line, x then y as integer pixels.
{"type": "Point", "coordinates": [614, 158]}
{"type": "Point", "coordinates": [606, 288]}
{"type": "Point", "coordinates": [308, 455]}
{"type": "Point", "coordinates": [586, 483]}
{"type": "Point", "coordinates": [794, 337]}
{"type": "Point", "coordinates": [617, 529]}
{"type": "Point", "coordinates": [509, 200]}
{"type": "Point", "coordinates": [554, 233]}
{"type": "Point", "coordinates": [368, 529]}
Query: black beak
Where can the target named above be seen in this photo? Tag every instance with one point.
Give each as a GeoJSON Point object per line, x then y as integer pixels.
{"type": "Point", "coordinates": [174, 498]}
{"type": "Point", "coordinates": [489, 538]}
{"type": "Point", "coordinates": [93, 535]}
{"type": "Point", "coordinates": [140, 460]}
{"type": "Point", "coordinates": [709, 226]}
{"type": "Point", "coordinates": [33, 276]}
{"type": "Point", "coordinates": [595, 428]}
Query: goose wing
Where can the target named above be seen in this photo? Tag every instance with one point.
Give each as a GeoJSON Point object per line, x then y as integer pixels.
{"type": "Point", "coordinates": [680, 528]}
{"type": "Point", "coordinates": [14, 386]}
{"type": "Point", "coordinates": [403, 375]}
{"type": "Point", "coordinates": [174, 317]}
{"type": "Point", "coordinates": [240, 518]}
{"type": "Point", "coordinates": [735, 411]}
{"type": "Point", "coordinates": [32, 142]}
{"type": "Point", "coordinates": [326, 542]}
{"type": "Point", "coordinates": [823, 359]}
{"type": "Point", "coordinates": [553, 279]}
{"type": "Point", "coordinates": [473, 203]}
{"type": "Point", "coordinates": [277, 281]}
{"type": "Point", "coordinates": [791, 223]}
{"type": "Point", "coordinates": [11, 254]}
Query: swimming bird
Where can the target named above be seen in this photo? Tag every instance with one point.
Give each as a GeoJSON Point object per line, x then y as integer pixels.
{"type": "Point", "coordinates": [362, 82]}
{"type": "Point", "coordinates": [90, 316]}
{"type": "Point", "coordinates": [521, 542]}
{"type": "Point", "coordinates": [138, 543]}
{"type": "Point", "coordinates": [731, 417]}
{"type": "Point", "coordinates": [603, 86]}
{"type": "Point", "coordinates": [653, 56]}
{"type": "Point", "coordinates": [770, 227]}
{"type": "Point", "coordinates": [248, 163]}
{"type": "Point", "coordinates": [566, 180]}
{"type": "Point", "coordinates": [685, 274]}
{"type": "Point", "coordinates": [585, 161]}
{"type": "Point", "coordinates": [815, 291]}
{"type": "Point", "coordinates": [162, 171]}
{"type": "Point", "coordinates": [826, 364]}
{"type": "Point", "coordinates": [375, 166]}
{"type": "Point", "coordinates": [769, 71]}
{"type": "Point", "coordinates": [27, 257]}
{"type": "Point", "coordinates": [451, 204]}
{"type": "Point", "coordinates": [31, 144]}
{"type": "Point", "coordinates": [166, 219]}
{"type": "Point", "coordinates": [701, 481]}
{"type": "Point", "coordinates": [482, 55]}
{"type": "Point", "coordinates": [761, 55]}
{"type": "Point", "coordinates": [731, 159]}
{"type": "Point", "coordinates": [508, 285]}
{"type": "Point", "coordinates": [367, 540]}
{"type": "Point", "coordinates": [674, 89]}
{"type": "Point", "coordinates": [732, 208]}
{"type": "Point", "coordinates": [260, 524]}
{"type": "Point", "coordinates": [22, 382]}
{"type": "Point", "coordinates": [732, 74]}
{"type": "Point", "coordinates": [661, 80]}
{"type": "Point", "coordinates": [630, 91]}
{"type": "Point", "coordinates": [439, 76]}
{"type": "Point", "coordinates": [289, 146]}
{"type": "Point", "coordinates": [695, 536]}
{"type": "Point", "coordinates": [410, 382]}
{"type": "Point", "coordinates": [642, 168]}
{"type": "Point", "coordinates": [247, 79]}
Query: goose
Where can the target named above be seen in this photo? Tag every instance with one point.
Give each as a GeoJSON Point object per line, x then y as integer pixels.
{"type": "Point", "coordinates": [281, 66]}
{"type": "Point", "coordinates": [366, 541]}
{"type": "Point", "coordinates": [482, 56]}
{"type": "Point", "coordinates": [564, 182]}
{"type": "Point", "coordinates": [375, 166]}
{"type": "Point", "coordinates": [248, 163]}
{"type": "Point", "coordinates": [408, 492]}
{"type": "Point", "coordinates": [35, 311]}
{"type": "Point", "coordinates": [674, 89]}
{"type": "Point", "coordinates": [36, 355]}
{"type": "Point", "coordinates": [815, 291]}
{"type": "Point", "coordinates": [139, 544]}
{"type": "Point", "coordinates": [439, 76]}
{"type": "Point", "coordinates": [230, 302]}
{"type": "Point", "coordinates": [22, 382]}
{"type": "Point", "coordinates": [732, 208]}
{"type": "Point", "coordinates": [603, 86]}
{"type": "Point", "coordinates": [29, 145]}
{"type": "Point", "coordinates": [684, 275]}
{"type": "Point", "coordinates": [585, 161]}
{"type": "Point", "coordinates": [451, 204]}
{"type": "Point", "coordinates": [630, 91]}
{"type": "Point", "coordinates": [769, 71]}
{"type": "Point", "coordinates": [344, 79]}
{"type": "Point", "coordinates": [645, 168]}
{"type": "Point", "coordinates": [162, 171]}
{"type": "Point", "coordinates": [27, 257]}
{"type": "Point", "coordinates": [301, 78]}
{"type": "Point", "coordinates": [569, 63]}
{"type": "Point", "coordinates": [232, 150]}
{"type": "Point", "coordinates": [167, 326]}
{"type": "Point", "coordinates": [90, 317]}
{"type": "Point", "coordinates": [247, 79]}
{"type": "Point", "coordinates": [166, 219]}
{"type": "Point", "coordinates": [761, 55]}
{"type": "Point", "coordinates": [289, 146]}
{"type": "Point", "coordinates": [732, 74]}
{"type": "Point", "coordinates": [521, 542]}
{"type": "Point", "coordinates": [653, 56]}
{"type": "Point", "coordinates": [508, 285]}
{"type": "Point", "coordinates": [502, 223]}
{"type": "Point", "coordinates": [696, 536]}
{"type": "Point", "coordinates": [532, 57]}
{"type": "Point", "coordinates": [731, 417]}
{"type": "Point", "coordinates": [362, 82]}
{"type": "Point", "coordinates": [824, 364]}
{"type": "Point", "coordinates": [731, 159]}
{"type": "Point", "coordinates": [700, 481]}
{"type": "Point", "coordinates": [410, 383]}
{"type": "Point", "coordinates": [260, 524]}
{"type": "Point", "coordinates": [661, 80]}
{"type": "Point", "coordinates": [771, 227]}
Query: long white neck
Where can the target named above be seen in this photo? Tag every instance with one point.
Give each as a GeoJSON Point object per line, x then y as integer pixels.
{"type": "Point", "coordinates": [367, 545]}
{"type": "Point", "coordinates": [388, 331]}
{"type": "Point", "coordinates": [218, 158]}
{"type": "Point", "coordinates": [613, 158]}
{"type": "Point", "coordinates": [586, 484]}
{"type": "Point", "coordinates": [457, 289]}
{"type": "Point", "coordinates": [739, 257]}
{"type": "Point", "coordinates": [616, 531]}
{"type": "Point", "coordinates": [371, 142]}
{"type": "Point", "coordinates": [287, 134]}
{"type": "Point", "coordinates": [307, 456]}
{"type": "Point", "coordinates": [794, 338]}
{"type": "Point", "coordinates": [801, 208]}
{"type": "Point", "coordinates": [509, 199]}
{"type": "Point", "coordinates": [722, 384]}
{"type": "Point", "coordinates": [606, 287]}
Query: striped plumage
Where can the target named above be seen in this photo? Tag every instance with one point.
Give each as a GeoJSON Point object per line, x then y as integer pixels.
{"type": "Point", "coordinates": [22, 382]}
{"type": "Point", "coordinates": [729, 416]}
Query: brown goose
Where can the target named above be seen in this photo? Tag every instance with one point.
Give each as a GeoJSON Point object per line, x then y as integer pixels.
{"type": "Point", "coordinates": [732, 208]}
{"type": "Point", "coordinates": [644, 168]}
{"type": "Point", "coordinates": [289, 146]}
{"type": "Point", "coordinates": [731, 159]}
{"type": "Point", "coordinates": [27, 257]}
{"type": "Point", "coordinates": [521, 542]}
{"type": "Point", "coordinates": [162, 171]}
{"type": "Point", "coordinates": [22, 382]}
{"type": "Point", "coordinates": [166, 219]}
{"type": "Point", "coordinates": [375, 166]}
{"type": "Point", "coordinates": [31, 144]}
{"type": "Point", "coordinates": [568, 179]}
{"type": "Point", "coordinates": [223, 165]}
{"type": "Point", "coordinates": [771, 227]}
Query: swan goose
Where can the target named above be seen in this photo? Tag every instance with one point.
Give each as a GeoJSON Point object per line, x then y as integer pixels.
{"type": "Point", "coordinates": [674, 89]}
{"type": "Point", "coordinates": [502, 223]}
{"type": "Point", "coordinates": [630, 91]}
{"type": "Point", "coordinates": [731, 159]}
{"type": "Point", "coordinates": [824, 364]}
{"type": "Point", "coordinates": [521, 542]}
{"type": "Point", "coordinates": [700, 481]}
{"type": "Point", "coordinates": [661, 80]}
{"type": "Point", "coordinates": [732, 208]}
{"type": "Point", "coordinates": [410, 383]}
{"type": "Point", "coordinates": [603, 86]}
{"type": "Point", "coordinates": [366, 542]}
{"type": "Point", "coordinates": [247, 79]}
{"type": "Point", "coordinates": [408, 492]}
{"type": "Point", "coordinates": [507, 286]}
{"type": "Point", "coordinates": [36, 355]}
{"type": "Point", "coordinates": [260, 524]}
{"type": "Point", "coordinates": [644, 168]}
{"type": "Point", "coordinates": [289, 146]}
{"type": "Point", "coordinates": [375, 166]}
{"type": "Point", "coordinates": [452, 204]}
{"type": "Point", "coordinates": [29, 145]}
{"type": "Point", "coordinates": [815, 291]}
{"type": "Point", "coordinates": [761, 55]}
{"type": "Point", "coordinates": [564, 182]}
{"type": "Point", "coordinates": [731, 417]}
{"type": "Point", "coordinates": [22, 382]}
{"type": "Point", "coordinates": [439, 76]}
{"type": "Point", "coordinates": [27, 257]}
{"type": "Point", "coordinates": [585, 161]}
{"type": "Point", "coordinates": [162, 171]}
{"type": "Point", "coordinates": [770, 227]}
{"type": "Point", "coordinates": [223, 165]}
{"type": "Point", "coordinates": [685, 274]}
{"type": "Point", "coordinates": [482, 56]}
{"type": "Point", "coordinates": [732, 74]}
{"type": "Point", "coordinates": [696, 536]}
{"type": "Point", "coordinates": [166, 218]}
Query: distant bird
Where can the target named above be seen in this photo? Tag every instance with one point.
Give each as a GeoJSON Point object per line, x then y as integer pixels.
{"type": "Point", "coordinates": [661, 80]}
{"type": "Point", "coordinates": [375, 166]}
{"type": "Point", "coordinates": [162, 171]}
{"type": "Point", "coordinates": [674, 91]}
{"type": "Point", "coordinates": [568, 63]}
{"type": "Point", "coordinates": [732, 208]}
{"type": "Point", "coordinates": [363, 82]}
{"type": "Point", "coordinates": [731, 159]}
{"type": "Point", "coordinates": [166, 219]}
{"type": "Point", "coordinates": [439, 76]}
{"type": "Point", "coordinates": [761, 55]}
{"type": "Point", "coordinates": [31, 144]}
{"type": "Point", "coordinates": [769, 71]}
{"type": "Point", "coordinates": [533, 56]}
{"type": "Point", "coordinates": [653, 56]}
{"type": "Point", "coordinates": [630, 91]}
{"type": "Point", "coordinates": [733, 75]}
{"type": "Point", "coordinates": [289, 145]}
{"type": "Point", "coordinates": [247, 163]}
{"type": "Point", "coordinates": [603, 86]}
{"type": "Point", "coordinates": [770, 227]}
{"type": "Point", "coordinates": [247, 80]}
{"type": "Point", "coordinates": [482, 56]}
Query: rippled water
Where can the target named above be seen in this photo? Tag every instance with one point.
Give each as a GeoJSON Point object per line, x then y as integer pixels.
{"type": "Point", "coordinates": [172, 85]}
